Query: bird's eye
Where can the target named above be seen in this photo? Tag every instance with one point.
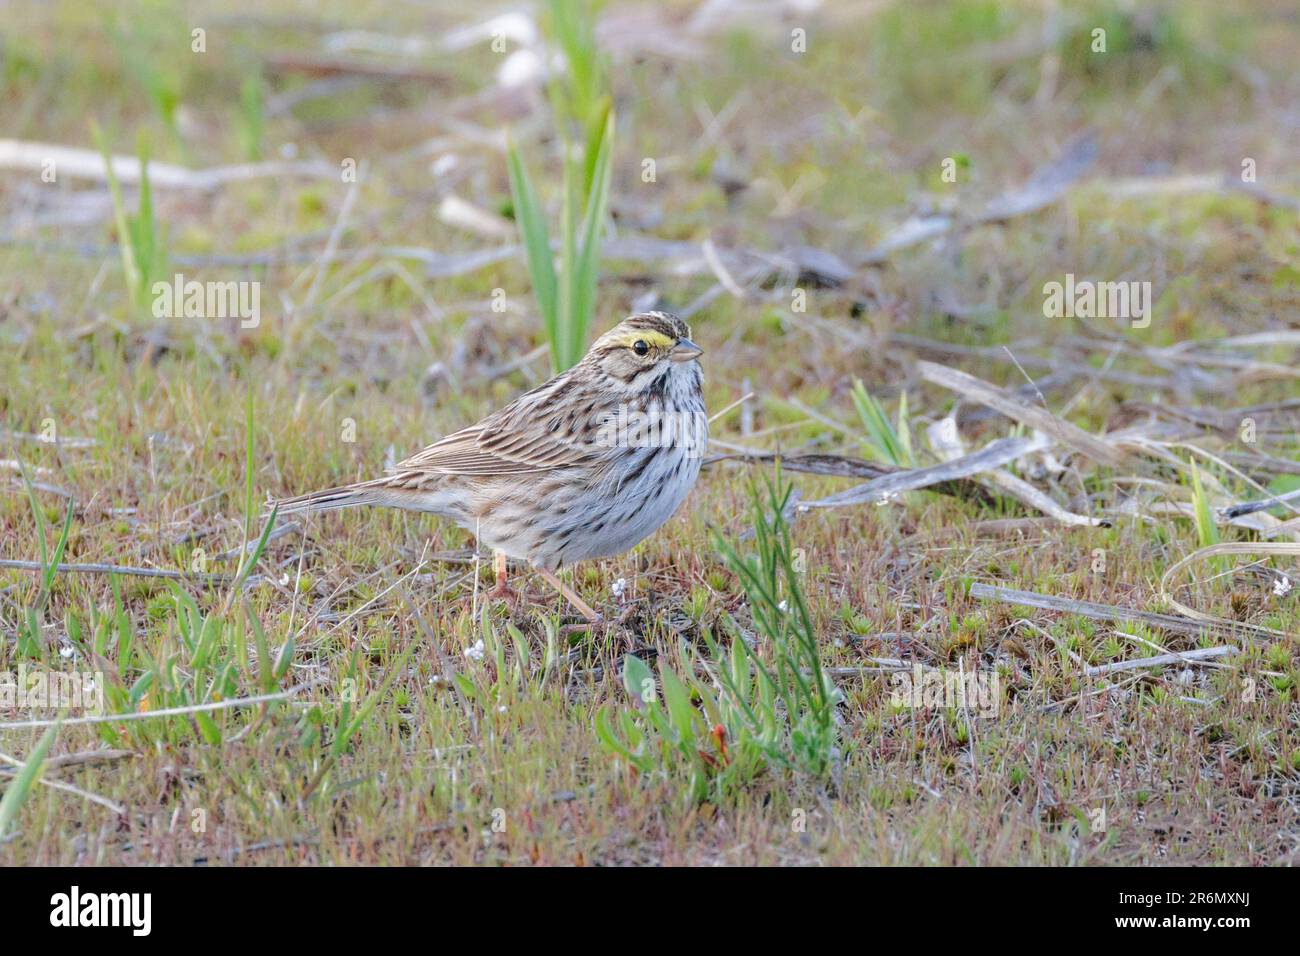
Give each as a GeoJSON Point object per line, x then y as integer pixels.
{"type": "Point", "coordinates": [640, 347]}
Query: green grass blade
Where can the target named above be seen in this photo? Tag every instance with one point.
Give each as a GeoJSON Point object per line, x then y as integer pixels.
{"type": "Point", "coordinates": [16, 793]}
{"type": "Point", "coordinates": [144, 231]}
{"type": "Point", "coordinates": [49, 562]}
{"type": "Point", "coordinates": [568, 267]}
{"type": "Point", "coordinates": [130, 267]}
{"type": "Point", "coordinates": [678, 701]}
{"type": "Point", "coordinates": [250, 560]}
{"type": "Point", "coordinates": [284, 658]}
{"type": "Point", "coordinates": [52, 569]}
{"type": "Point", "coordinates": [597, 134]}
{"type": "Point", "coordinates": [265, 677]}
{"type": "Point", "coordinates": [882, 440]}
{"type": "Point", "coordinates": [1207, 532]}
{"type": "Point", "coordinates": [537, 242]}
{"type": "Point", "coordinates": [208, 728]}
{"type": "Point", "coordinates": [638, 679]}
{"type": "Point", "coordinates": [248, 468]}
{"type": "Point", "coordinates": [39, 517]}
{"type": "Point", "coordinates": [606, 735]}
{"type": "Point", "coordinates": [588, 266]}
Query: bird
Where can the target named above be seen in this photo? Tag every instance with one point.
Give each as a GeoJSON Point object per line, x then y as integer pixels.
{"type": "Point", "coordinates": [584, 466]}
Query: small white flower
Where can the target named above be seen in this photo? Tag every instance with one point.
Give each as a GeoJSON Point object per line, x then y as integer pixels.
{"type": "Point", "coordinates": [475, 653]}
{"type": "Point", "coordinates": [1282, 585]}
{"type": "Point", "coordinates": [783, 607]}
{"type": "Point", "coordinates": [618, 587]}
{"type": "Point", "coordinates": [66, 651]}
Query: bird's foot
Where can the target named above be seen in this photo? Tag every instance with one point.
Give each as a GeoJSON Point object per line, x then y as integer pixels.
{"type": "Point", "coordinates": [501, 591]}
{"type": "Point", "coordinates": [506, 594]}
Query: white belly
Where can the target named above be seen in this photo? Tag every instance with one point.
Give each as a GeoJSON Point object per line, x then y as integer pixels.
{"type": "Point", "coordinates": [632, 503]}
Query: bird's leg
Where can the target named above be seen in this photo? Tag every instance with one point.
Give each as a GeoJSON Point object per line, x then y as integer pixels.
{"type": "Point", "coordinates": [571, 596]}
{"type": "Point", "coordinates": [499, 566]}
{"type": "Point", "coordinates": [501, 591]}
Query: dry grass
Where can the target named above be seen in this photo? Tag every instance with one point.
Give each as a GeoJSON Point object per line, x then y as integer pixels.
{"type": "Point", "coordinates": [831, 149]}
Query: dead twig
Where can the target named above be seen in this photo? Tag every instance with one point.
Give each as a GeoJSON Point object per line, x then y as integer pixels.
{"type": "Point", "coordinates": [118, 569]}
{"type": "Point", "coordinates": [166, 712]}
{"type": "Point", "coordinates": [89, 164]}
{"type": "Point", "coordinates": [992, 455]}
{"type": "Point", "coordinates": [1034, 416]}
{"type": "Point", "coordinates": [1109, 612]}
{"type": "Point", "coordinates": [65, 787]}
{"type": "Point", "coordinates": [1250, 507]}
{"type": "Point", "coordinates": [1198, 655]}
{"type": "Point", "coordinates": [87, 758]}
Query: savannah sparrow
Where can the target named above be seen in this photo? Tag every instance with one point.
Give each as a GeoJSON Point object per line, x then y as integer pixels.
{"type": "Point", "coordinates": [585, 466]}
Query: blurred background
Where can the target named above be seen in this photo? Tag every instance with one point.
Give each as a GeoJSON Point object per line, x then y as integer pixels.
{"type": "Point", "coordinates": [856, 145]}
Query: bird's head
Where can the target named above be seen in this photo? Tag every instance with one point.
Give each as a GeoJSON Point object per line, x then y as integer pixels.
{"type": "Point", "coordinates": [644, 346]}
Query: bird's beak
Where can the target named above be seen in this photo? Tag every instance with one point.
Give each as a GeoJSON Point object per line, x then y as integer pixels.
{"type": "Point", "coordinates": [685, 350]}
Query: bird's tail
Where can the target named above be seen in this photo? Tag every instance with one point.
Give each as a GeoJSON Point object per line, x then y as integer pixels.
{"type": "Point", "coordinates": [330, 499]}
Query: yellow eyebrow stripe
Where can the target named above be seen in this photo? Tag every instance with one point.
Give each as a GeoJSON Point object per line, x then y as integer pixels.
{"type": "Point", "coordinates": [656, 340]}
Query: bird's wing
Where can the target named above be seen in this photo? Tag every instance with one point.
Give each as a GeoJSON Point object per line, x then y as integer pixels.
{"type": "Point", "coordinates": [516, 440]}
